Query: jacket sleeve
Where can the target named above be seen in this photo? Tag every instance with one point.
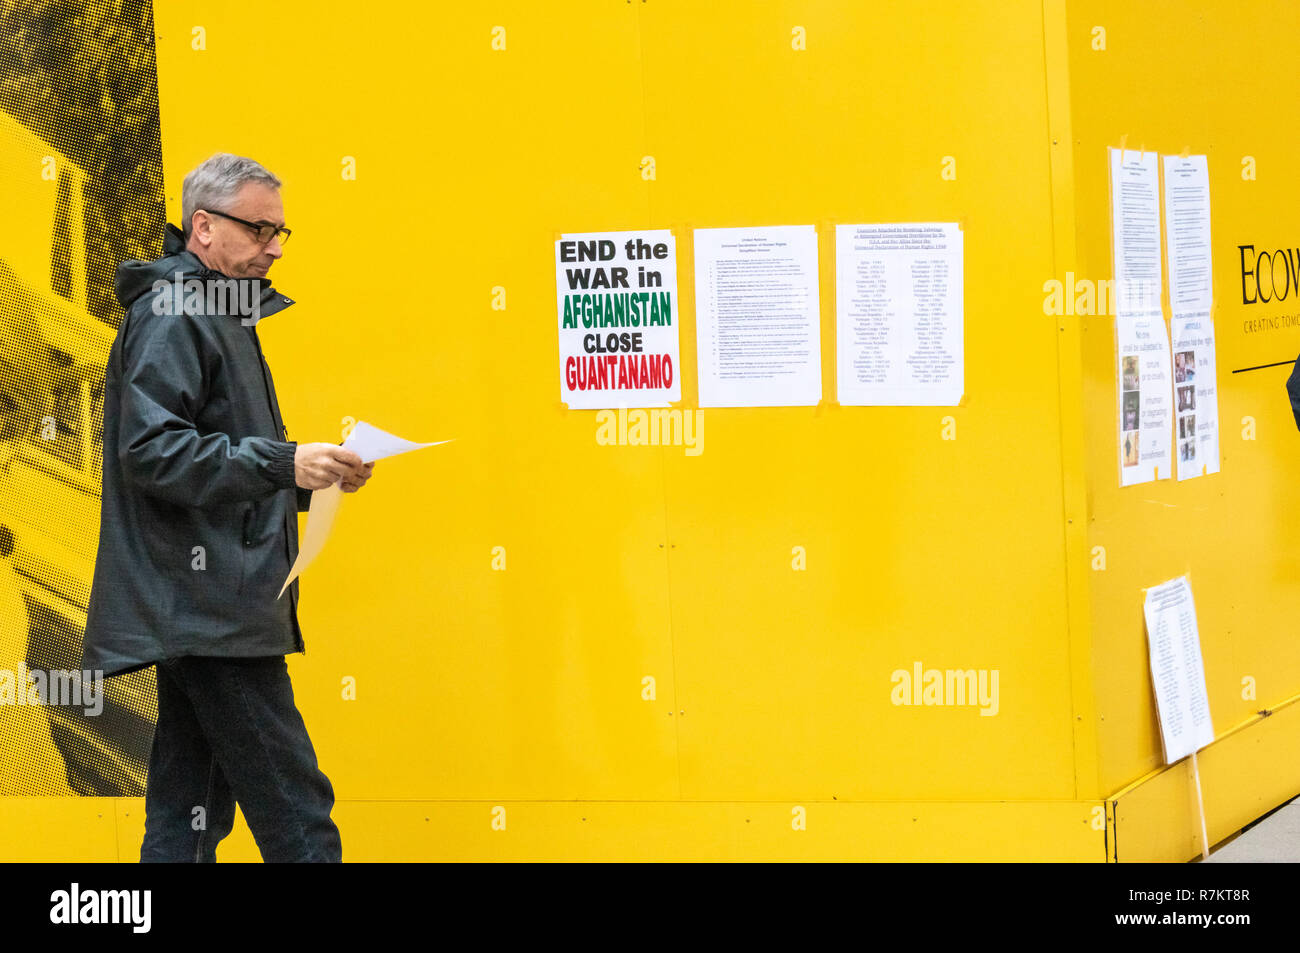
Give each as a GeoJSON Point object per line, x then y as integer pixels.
{"type": "Point", "coordinates": [1293, 391]}
{"type": "Point", "coordinates": [165, 376]}
{"type": "Point", "coordinates": [304, 499]}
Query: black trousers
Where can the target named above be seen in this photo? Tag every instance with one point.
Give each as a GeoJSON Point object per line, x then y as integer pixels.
{"type": "Point", "coordinates": [229, 731]}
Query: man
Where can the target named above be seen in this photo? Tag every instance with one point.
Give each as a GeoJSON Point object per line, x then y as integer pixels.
{"type": "Point", "coordinates": [201, 490]}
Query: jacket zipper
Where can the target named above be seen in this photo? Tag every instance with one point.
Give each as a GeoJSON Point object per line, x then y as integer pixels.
{"type": "Point", "coordinates": [270, 406]}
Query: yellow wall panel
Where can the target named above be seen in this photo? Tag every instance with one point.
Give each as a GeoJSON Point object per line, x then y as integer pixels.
{"type": "Point", "coordinates": [1246, 773]}
{"type": "Point", "coordinates": [785, 676]}
{"type": "Point", "coordinates": [1172, 77]}
{"type": "Point", "coordinates": [469, 680]}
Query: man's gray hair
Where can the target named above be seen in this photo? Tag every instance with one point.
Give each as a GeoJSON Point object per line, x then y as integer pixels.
{"type": "Point", "coordinates": [214, 182]}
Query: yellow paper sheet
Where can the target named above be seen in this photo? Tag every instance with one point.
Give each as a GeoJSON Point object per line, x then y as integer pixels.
{"type": "Point", "coordinates": [320, 519]}
{"type": "Point", "coordinates": [371, 444]}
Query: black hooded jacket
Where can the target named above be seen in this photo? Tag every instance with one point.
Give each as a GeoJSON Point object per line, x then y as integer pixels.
{"type": "Point", "coordinates": [198, 524]}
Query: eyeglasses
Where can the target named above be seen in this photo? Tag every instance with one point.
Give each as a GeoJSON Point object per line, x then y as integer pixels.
{"type": "Point", "coordinates": [265, 230]}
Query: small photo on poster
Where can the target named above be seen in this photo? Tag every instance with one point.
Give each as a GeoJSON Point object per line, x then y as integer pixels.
{"type": "Point", "coordinates": [1184, 367]}
{"type": "Point", "coordinates": [1130, 448]}
{"type": "Point", "coordinates": [1187, 451]}
{"type": "Point", "coordinates": [1131, 381]}
{"type": "Point", "coordinates": [1131, 410]}
{"type": "Point", "coordinates": [1187, 427]}
{"type": "Point", "coordinates": [1186, 398]}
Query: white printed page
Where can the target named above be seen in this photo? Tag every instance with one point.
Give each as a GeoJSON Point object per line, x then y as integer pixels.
{"type": "Point", "coordinates": [758, 316]}
{"type": "Point", "coordinates": [900, 314]}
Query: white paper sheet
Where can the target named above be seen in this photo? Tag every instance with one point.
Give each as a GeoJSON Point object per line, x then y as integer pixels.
{"type": "Point", "coordinates": [758, 316]}
{"type": "Point", "coordinates": [899, 314]}
{"type": "Point", "coordinates": [370, 444]}
{"type": "Point", "coordinates": [1177, 670]}
{"type": "Point", "coordinates": [1191, 292]}
{"type": "Point", "coordinates": [1143, 367]}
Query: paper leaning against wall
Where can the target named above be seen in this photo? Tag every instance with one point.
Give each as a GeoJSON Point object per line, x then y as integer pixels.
{"type": "Point", "coordinates": [370, 444]}
{"type": "Point", "coordinates": [1177, 669]}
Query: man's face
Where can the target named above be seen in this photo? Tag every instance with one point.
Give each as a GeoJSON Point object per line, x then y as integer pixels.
{"type": "Point", "coordinates": [232, 248]}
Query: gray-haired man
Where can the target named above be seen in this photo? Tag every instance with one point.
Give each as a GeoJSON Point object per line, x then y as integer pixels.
{"type": "Point", "coordinates": [201, 490]}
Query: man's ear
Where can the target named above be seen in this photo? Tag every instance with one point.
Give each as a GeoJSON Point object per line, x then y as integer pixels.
{"type": "Point", "coordinates": [201, 227]}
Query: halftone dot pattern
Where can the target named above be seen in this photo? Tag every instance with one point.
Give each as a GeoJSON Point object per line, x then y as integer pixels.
{"type": "Point", "coordinates": [81, 176]}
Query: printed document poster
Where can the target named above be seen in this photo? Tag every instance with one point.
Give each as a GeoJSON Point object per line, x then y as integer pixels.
{"type": "Point", "coordinates": [616, 295]}
{"type": "Point", "coordinates": [899, 314]}
{"type": "Point", "coordinates": [1191, 293]}
{"type": "Point", "coordinates": [1145, 395]}
{"type": "Point", "coordinates": [1177, 671]}
{"type": "Point", "coordinates": [758, 316]}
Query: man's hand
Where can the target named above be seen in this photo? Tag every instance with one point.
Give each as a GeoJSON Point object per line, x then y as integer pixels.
{"type": "Point", "coordinates": [319, 465]}
{"type": "Point", "coordinates": [358, 479]}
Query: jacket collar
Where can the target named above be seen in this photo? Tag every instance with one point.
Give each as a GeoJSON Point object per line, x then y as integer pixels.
{"type": "Point", "coordinates": [272, 301]}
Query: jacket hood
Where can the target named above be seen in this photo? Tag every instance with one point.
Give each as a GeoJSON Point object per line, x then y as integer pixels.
{"type": "Point", "coordinates": [136, 277]}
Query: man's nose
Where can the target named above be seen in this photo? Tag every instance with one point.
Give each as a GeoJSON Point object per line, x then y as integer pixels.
{"type": "Point", "coordinates": [273, 247]}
